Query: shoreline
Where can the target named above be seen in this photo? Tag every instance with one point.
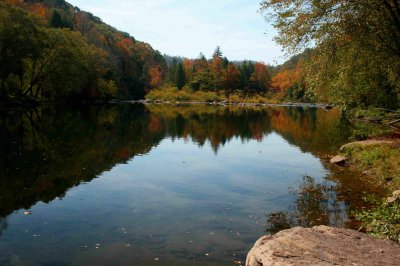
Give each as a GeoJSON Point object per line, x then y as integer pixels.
{"type": "Point", "coordinates": [226, 103]}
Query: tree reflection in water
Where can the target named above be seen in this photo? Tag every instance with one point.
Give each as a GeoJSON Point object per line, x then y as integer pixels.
{"type": "Point", "coordinates": [44, 152]}
{"type": "Point", "coordinates": [3, 225]}
{"type": "Point", "coordinates": [315, 204]}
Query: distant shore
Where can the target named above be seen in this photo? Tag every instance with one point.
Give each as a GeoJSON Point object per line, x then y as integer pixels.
{"type": "Point", "coordinates": [226, 103]}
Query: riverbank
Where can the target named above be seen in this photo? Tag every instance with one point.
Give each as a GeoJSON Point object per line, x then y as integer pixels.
{"type": "Point", "coordinates": [232, 103]}
{"type": "Point", "coordinates": [377, 157]}
{"type": "Point", "coordinates": [186, 95]}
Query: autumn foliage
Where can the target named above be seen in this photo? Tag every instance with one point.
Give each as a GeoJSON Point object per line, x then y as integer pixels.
{"type": "Point", "coordinates": [220, 75]}
{"type": "Point", "coordinates": [52, 51]}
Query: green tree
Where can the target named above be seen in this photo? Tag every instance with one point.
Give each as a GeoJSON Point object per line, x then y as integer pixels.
{"type": "Point", "coordinates": [246, 70]}
{"type": "Point", "coordinates": [180, 76]}
{"type": "Point", "coordinates": [356, 59]}
{"type": "Point", "coordinates": [217, 52]}
{"type": "Point", "coordinates": [42, 63]}
{"type": "Point", "coordinates": [41, 59]}
{"type": "Point", "coordinates": [202, 80]}
{"type": "Point", "coordinates": [59, 20]}
{"type": "Point", "coordinates": [19, 39]}
{"type": "Point", "coordinates": [56, 20]}
{"type": "Point", "coordinates": [172, 71]}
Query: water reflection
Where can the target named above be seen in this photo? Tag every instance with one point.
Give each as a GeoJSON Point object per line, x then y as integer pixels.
{"type": "Point", "coordinates": [315, 204]}
{"type": "Point", "coordinates": [3, 225]}
{"type": "Point", "coordinates": [44, 152]}
{"type": "Point", "coordinates": [143, 178]}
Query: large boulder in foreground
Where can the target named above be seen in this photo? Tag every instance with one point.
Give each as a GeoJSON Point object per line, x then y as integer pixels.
{"type": "Point", "coordinates": [322, 245]}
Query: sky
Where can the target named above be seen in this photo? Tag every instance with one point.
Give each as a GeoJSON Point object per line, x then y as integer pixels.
{"type": "Point", "coordinates": [188, 27]}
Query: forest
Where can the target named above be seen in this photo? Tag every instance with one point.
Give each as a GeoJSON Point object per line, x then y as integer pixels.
{"type": "Point", "coordinates": [342, 52]}
{"type": "Point", "coordinates": [355, 56]}
{"type": "Point", "coordinates": [51, 52]}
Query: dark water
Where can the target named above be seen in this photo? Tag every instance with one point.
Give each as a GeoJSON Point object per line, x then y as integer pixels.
{"type": "Point", "coordinates": [165, 185]}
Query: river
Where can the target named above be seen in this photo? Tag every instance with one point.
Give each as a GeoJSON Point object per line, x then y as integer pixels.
{"type": "Point", "coordinates": [167, 185]}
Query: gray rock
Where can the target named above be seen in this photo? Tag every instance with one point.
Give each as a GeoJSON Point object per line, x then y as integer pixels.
{"type": "Point", "coordinates": [339, 159]}
{"type": "Point", "coordinates": [391, 199]}
{"type": "Point", "coordinates": [322, 245]}
{"type": "Point", "coordinates": [395, 196]}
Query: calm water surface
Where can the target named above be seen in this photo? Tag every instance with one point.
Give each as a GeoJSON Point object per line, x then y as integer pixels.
{"type": "Point", "coordinates": [165, 185]}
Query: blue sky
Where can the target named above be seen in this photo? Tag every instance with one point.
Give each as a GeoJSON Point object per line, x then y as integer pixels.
{"type": "Point", "coordinates": [188, 27]}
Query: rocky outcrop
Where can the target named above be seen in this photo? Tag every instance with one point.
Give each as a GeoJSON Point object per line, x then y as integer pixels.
{"type": "Point", "coordinates": [322, 245]}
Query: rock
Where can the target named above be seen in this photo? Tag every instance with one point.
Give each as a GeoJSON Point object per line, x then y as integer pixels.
{"type": "Point", "coordinates": [395, 196]}
{"type": "Point", "coordinates": [339, 159]}
{"type": "Point", "coordinates": [391, 199]}
{"type": "Point", "coordinates": [365, 143]}
{"type": "Point", "coordinates": [322, 245]}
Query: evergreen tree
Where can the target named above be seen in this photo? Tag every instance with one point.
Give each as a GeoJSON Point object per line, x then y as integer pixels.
{"type": "Point", "coordinates": [217, 52]}
{"type": "Point", "coordinates": [225, 63]}
{"type": "Point", "coordinates": [180, 76]}
{"type": "Point", "coordinates": [202, 57]}
{"type": "Point", "coordinates": [56, 20]}
{"type": "Point", "coordinates": [172, 71]}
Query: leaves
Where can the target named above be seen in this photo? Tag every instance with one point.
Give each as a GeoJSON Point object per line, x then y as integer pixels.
{"type": "Point", "coordinates": [52, 51]}
{"type": "Point", "coordinates": [383, 220]}
{"type": "Point", "coordinates": [356, 48]}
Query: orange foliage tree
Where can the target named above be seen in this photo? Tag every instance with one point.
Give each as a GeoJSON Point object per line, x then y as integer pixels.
{"type": "Point", "coordinates": [286, 79]}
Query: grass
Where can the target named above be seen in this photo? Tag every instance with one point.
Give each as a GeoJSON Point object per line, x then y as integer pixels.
{"type": "Point", "coordinates": [184, 95]}
{"type": "Point", "coordinates": [381, 163]}
{"type": "Point", "coordinates": [383, 220]}
{"type": "Point", "coordinates": [173, 94]}
{"type": "Point", "coordinates": [377, 115]}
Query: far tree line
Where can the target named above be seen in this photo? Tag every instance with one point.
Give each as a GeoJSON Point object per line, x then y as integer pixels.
{"type": "Point", "coordinates": [219, 74]}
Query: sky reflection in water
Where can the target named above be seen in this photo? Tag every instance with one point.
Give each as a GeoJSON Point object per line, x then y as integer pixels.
{"type": "Point", "coordinates": [177, 188]}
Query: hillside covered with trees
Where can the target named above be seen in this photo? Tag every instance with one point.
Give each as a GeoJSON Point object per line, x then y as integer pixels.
{"type": "Point", "coordinates": [52, 51]}
{"type": "Point", "coordinates": [344, 52]}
